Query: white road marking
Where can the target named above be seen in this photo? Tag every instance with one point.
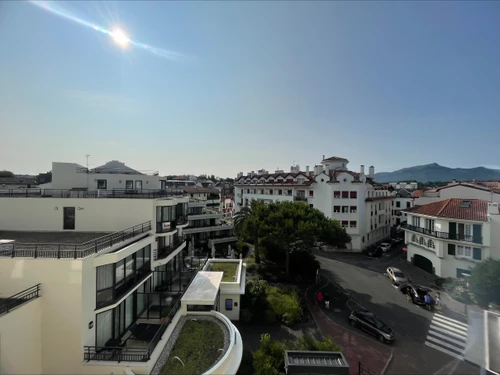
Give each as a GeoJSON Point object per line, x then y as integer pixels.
{"type": "Point", "coordinates": [447, 335]}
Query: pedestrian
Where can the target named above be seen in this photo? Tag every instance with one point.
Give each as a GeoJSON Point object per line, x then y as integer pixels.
{"type": "Point", "coordinates": [428, 301]}
{"type": "Point", "coordinates": [408, 296]}
{"type": "Point", "coordinates": [438, 299]}
{"type": "Point", "coordinates": [327, 301]}
{"type": "Point", "coordinates": [319, 297]}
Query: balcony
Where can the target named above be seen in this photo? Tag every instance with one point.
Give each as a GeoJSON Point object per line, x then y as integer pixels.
{"type": "Point", "coordinates": [169, 249]}
{"type": "Point", "coordinates": [72, 251]}
{"type": "Point", "coordinates": [10, 303]}
{"type": "Point", "coordinates": [166, 226]}
{"type": "Point", "coordinates": [300, 198]}
{"type": "Point", "coordinates": [444, 235]}
{"type": "Point", "coordinates": [182, 220]}
{"type": "Point", "coordinates": [114, 193]}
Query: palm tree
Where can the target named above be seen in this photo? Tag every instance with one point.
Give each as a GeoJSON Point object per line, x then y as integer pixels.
{"type": "Point", "coordinates": [247, 222]}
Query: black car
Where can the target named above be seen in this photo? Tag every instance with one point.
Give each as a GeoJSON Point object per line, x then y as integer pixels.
{"type": "Point", "coordinates": [375, 252]}
{"type": "Point", "coordinates": [417, 293]}
{"type": "Point", "coordinates": [369, 322]}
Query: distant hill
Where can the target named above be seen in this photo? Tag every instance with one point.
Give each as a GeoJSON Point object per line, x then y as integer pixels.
{"type": "Point", "coordinates": [436, 172]}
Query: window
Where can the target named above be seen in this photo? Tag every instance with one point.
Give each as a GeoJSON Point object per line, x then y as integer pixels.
{"type": "Point", "coordinates": [352, 224]}
{"type": "Point", "coordinates": [422, 241]}
{"type": "Point", "coordinates": [102, 184]}
{"type": "Point", "coordinates": [414, 238]}
{"type": "Point", "coordinates": [354, 194]}
{"type": "Point", "coordinates": [345, 223]}
{"type": "Point", "coordinates": [353, 209]}
{"type": "Point", "coordinates": [138, 185]}
{"type": "Point", "coordinates": [464, 251]}
{"type": "Point", "coordinates": [408, 204]}
{"type": "Point", "coordinates": [415, 221]}
{"type": "Point", "coordinates": [311, 205]}
{"type": "Point", "coordinates": [363, 239]}
{"type": "Point", "coordinates": [451, 249]}
{"type": "Point", "coordinates": [336, 194]}
{"type": "Point", "coordinates": [398, 204]}
{"type": "Point", "coordinates": [476, 253]}
{"type": "Point", "coordinates": [465, 232]}
{"type": "Point", "coordinates": [345, 209]}
{"type": "Point", "coordinates": [311, 193]}
{"type": "Point", "coordinates": [345, 194]}
{"type": "Point", "coordinates": [336, 208]}
{"type": "Point", "coordinates": [229, 304]}
{"type": "Point", "coordinates": [280, 192]}
{"type": "Point", "coordinates": [429, 225]}
{"type": "Point", "coordinates": [69, 218]}
{"type": "Point", "coordinates": [289, 192]}
{"type": "Point", "coordinates": [430, 244]}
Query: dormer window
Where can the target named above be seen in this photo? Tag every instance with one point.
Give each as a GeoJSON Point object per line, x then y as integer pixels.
{"type": "Point", "coordinates": [465, 204]}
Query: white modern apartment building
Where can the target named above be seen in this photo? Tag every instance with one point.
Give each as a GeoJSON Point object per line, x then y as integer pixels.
{"type": "Point", "coordinates": [449, 237]}
{"type": "Point", "coordinates": [91, 281]}
{"type": "Point", "coordinates": [352, 198]}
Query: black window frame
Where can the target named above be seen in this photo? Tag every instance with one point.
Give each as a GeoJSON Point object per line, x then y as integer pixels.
{"type": "Point", "coordinates": [69, 221]}
{"type": "Point", "coordinates": [129, 184]}
{"type": "Point", "coordinates": [229, 305]}
{"type": "Point", "coordinates": [104, 184]}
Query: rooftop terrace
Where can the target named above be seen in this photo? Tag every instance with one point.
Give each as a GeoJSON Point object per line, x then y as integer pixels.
{"type": "Point", "coordinates": [83, 193]}
{"type": "Point", "coordinates": [64, 245]}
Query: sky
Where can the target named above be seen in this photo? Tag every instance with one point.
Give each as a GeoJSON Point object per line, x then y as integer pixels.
{"type": "Point", "coordinates": [238, 86]}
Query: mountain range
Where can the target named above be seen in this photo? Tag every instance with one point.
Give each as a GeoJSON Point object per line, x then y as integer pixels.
{"type": "Point", "coordinates": [436, 172]}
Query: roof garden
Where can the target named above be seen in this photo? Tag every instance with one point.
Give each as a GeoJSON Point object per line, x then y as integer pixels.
{"type": "Point", "coordinates": [196, 345]}
{"type": "Point", "coordinates": [230, 268]}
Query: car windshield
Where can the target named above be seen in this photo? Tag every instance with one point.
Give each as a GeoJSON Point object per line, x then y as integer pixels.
{"type": "Point", "coordinates": [399, 274]}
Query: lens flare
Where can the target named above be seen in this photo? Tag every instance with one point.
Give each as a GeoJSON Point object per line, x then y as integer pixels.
{"type": "Point", "coordinates": [117, 35]}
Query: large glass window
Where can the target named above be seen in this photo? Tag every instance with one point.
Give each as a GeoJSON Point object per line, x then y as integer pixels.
{"type": "Point", "coordinates": [116, 280]}
{"type": "Point", "coordinates": [104, 327]}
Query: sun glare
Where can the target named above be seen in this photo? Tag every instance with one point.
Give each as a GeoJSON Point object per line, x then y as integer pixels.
{"type": "Point", "coordinates": [120, 38]}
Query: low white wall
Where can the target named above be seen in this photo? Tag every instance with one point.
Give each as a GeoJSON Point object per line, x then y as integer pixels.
{"type": "Point", "coordinates": [21, 340]}
{"type": "Point", "coordinates": [232, 357]}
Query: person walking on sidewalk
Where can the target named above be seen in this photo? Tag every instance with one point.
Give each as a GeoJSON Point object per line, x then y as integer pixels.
{"type": "Point", "coordinates": [428, 301]}
{"type": "Point", "coordinates": [319, 297]}
{"type": "Point", "coordinates": [327, 301]}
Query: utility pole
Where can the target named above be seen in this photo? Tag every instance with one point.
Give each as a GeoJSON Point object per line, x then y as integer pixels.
{"type": "Point", "coordinates": [87, 171]}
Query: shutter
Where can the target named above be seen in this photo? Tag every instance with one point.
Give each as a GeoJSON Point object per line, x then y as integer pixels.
{"type": "Point", "coordinates": [452, 232]}
{"type": "Point", "coordinates": [451, 249]}
{"type": "Point", "coordinates": [476, 254]}
{"type": "Point", "coordinates": [476, 233]}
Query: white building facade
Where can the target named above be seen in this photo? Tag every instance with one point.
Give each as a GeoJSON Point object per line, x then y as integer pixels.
{"type": "Point", "coordinates": [101, 276]}
{"type": "Point", "coordinates": [403, 199]}
{"type": "Point", "coordinates": [352, 198]}
{"type": "Point", "coordinates": [448, 238]}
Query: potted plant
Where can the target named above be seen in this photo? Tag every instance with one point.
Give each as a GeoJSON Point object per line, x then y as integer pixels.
{"type": "Point", "coordinates": [164, 314]}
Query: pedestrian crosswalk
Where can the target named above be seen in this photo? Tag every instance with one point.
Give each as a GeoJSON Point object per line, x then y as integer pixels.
{"type": "Point", "coordinates": [448, 336]}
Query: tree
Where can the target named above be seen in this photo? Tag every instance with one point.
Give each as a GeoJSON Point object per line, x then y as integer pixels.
{"type": "Point", "coordinates": [6, 174]}
{"type": "Point", "coordinates": [484, 283]}
{"type": "Point", "coordinates": [295, 226]}
{"type": "Point", "coordinates": [248, 224]}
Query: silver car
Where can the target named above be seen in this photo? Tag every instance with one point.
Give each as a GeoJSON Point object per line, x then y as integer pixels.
{"type": "Point", "coordinates": [397, 277]}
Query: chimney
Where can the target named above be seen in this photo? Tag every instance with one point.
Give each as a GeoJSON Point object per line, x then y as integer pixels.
{"type": "Point", "coordinates": [371, 172]}
{"type": "Point", "coordinates": [327, 169]}
{"type": "Point", "coordinates": [323, 157]}
{"type": "Point", "coordinates": [362, 169]}
{"type": "Point", "coordinates": [307, 169]}
{"type": "Point", "coordinates": [317, 170]}
{"type": "Point", "coordinates": [493, 208]}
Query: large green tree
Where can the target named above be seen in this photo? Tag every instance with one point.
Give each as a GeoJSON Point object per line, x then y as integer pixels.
{"type": "Point", "coordinates": [248, 224]}
{"type": "Point", "coordinates": [485, 282]}
{"type": "Point", "coordinates": [288, 227]}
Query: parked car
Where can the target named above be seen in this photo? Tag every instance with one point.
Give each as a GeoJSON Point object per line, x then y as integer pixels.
{"type": "Point", "coordinates": [375, 252]}
{"type": "Point", "coordinates": [397, 277]}
{"type": "Point", "coordinates": [370, 323]}
{"type": "Point", "coordinates": [417, 293]}
{"type": "Point", "coordinates": [385, 246]}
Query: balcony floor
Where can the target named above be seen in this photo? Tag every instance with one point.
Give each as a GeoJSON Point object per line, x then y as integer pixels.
{"type": "Point", "coordinates": [51, 237]}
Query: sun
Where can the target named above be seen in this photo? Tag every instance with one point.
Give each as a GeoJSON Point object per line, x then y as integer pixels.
{"type": "Point", "coordinates": [120, 38]}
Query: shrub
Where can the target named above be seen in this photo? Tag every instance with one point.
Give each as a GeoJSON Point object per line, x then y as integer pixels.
{"type": "Point", "coordinates": [485, 282]}
{"type": "Point", "coordinates": [457, 290]}
{"type": "Point", "coordinates": [285, 304]}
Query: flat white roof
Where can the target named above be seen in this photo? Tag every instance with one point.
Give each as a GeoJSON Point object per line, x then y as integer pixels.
{"type": "Point", "coordinates": [204, 288]}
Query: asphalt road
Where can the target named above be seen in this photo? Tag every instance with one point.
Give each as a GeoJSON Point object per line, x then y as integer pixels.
{"type": "Point", "coordinates": [364, 284]}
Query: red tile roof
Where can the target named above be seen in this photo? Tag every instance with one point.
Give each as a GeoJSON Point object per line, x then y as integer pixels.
{"type": "Point", "coordinates": [417, 193]}
{"type": "Point", "coordinates": [451, 208]}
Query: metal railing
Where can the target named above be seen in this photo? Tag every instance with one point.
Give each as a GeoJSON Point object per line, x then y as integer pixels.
{"type": "Point", "coordinates": [166, 250]}
{"type": "Point", "coordinates": [114, 193]}
{"type": "Point", "coordinates": [120, 353]}
{"type": "Point", "coordinates": [444, 235]}
{"type": "Point", "coordinates": [300, 198]}
{"type": "Point", "coordinates": [18, 299]}
{"type": "Point", "coordinates": [71, 251]}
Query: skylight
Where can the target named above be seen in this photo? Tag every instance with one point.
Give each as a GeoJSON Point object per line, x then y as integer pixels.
{"type": "Point", "coordinates": [465, 204]}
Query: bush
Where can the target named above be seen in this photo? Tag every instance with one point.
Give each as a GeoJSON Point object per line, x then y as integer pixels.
{"type": "Point", "coordinates": [285, 304]}
{"type": "Point", "coordinates": [457, 290]}
{"type": "Point", "coordinates": [303, 266]}
{"type": "Point", "coordinates": [485, 282]}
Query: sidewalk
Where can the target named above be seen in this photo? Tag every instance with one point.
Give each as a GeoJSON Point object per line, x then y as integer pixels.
{"type": "Point", "coordinates": [355, 347]}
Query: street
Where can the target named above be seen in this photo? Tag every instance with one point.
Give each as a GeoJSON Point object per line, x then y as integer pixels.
{"type": "Point", "coordinates": [426, 342]}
